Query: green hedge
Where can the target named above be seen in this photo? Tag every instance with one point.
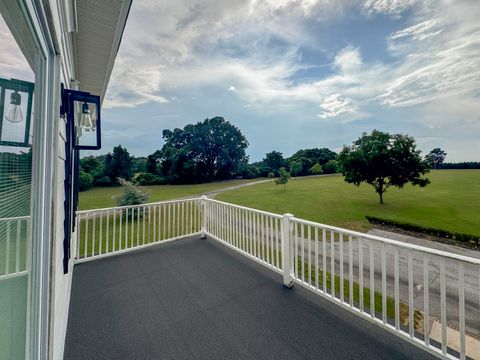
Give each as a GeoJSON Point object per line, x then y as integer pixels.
{"type": "Point", "coordinates": [474, 239]}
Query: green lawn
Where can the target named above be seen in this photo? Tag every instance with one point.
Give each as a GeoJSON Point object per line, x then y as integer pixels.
{"type": "Point", "coordinates": [450, 202]}
{"type": "Point", "coordinates": [105, 197]}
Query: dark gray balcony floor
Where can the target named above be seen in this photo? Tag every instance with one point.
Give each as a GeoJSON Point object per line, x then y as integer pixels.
{"type": "Point", "coordinates": [196, 299]}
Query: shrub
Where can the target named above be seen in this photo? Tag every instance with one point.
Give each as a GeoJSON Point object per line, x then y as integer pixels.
{"type": "Point", "coordinates": [271, 174]}
{"type": "Point", "coordinates": [104, 181]}
{"type": "Point", "coordinates": [475, 239]}
{"type": "Point", "coordinates": [85, 180]}
{"type": "Point", "coordinates": [132, 195]}
{"type": "Point", "coordinates": [145, 179]}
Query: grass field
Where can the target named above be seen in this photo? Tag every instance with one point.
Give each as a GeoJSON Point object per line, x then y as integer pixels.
{"type": "Point", "coordinates": [450, 202]}
{"type": "Point", "coordinates": [105, 197]}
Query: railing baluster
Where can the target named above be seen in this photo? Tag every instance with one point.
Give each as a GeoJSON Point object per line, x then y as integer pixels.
{"type": "Point", "coordinates": [342, 295]}
{"type": "Point", "coordinates": [426, 303]}
{"type": "Point", "coordinates": [164, 229]}
{"type": "Point", "coordinates": [120, 227]}
{"type": "Point", "coordinates": [79, 234]}
{"type": "Point", "coordinates": [272, 248]}
{"type": "Point", "coordinates": [7, 250]}
{"type": "Point", "coordinates": [332, 264]}
{"type": "Point", "coordinates": [295, 251]}
{"type": "Point", "coordinates": [169, 220]}
{"type": "Point", "coordinates": [86, 237]}
{"type": "Point", "coordinates": [309, 237]}
{"type": "Point", "coordinates": [100, 243]}
{"type": "Point", "coordinates": [360, 271]}
{"type": "Point", "coordinates": [443, 307]}
{"type": "Point", "coordinates": [107, 236]}
{"type": "Point", "coordinates": [262, 236]}
{"type": "Point", "coordinates": [114, 229]}
{"type": "Point", "coordinates": [384, 284]}
{"type": "Point", "coordinates": [324, 253]}
{"type": "Point", "coordinates": [126, 228]}
{"type": "Point", "coordinates": [236, 223]}
{"type": "Point", "coordinates": [229, 224]}
{"type": "Point", "coordinates": [316, 260]}
{"type": "Point", "coordinates": [132, 226]}
{"type": "Point", "coordinates": [182, 229]}
{"type": "Point", "coordinates": [397, 289]}
{"type": "Point", "coordinates": [17, 247]}
{"type": "Point", "coordinates": [372, 280]}
{"type": "Point", "coordinates": [94, 228]}
{"type": "Point", "coordinates": [350, 269]}
{"type": "Point", "coordinates": [144, 220]}
{"type": "Point", "coordinates": [255, 238]}
{"type": "Point", "coordinates": [302, 237]}
{"type": "Point", "coordinates": [154, 237]}
{"type": "Point", "coordinates": [138, 225]}
{"type": "Point", "coordinates": [410, 294]}
{"type": "Point", "coordinates": [276, 240]}
{"type": "Point", "coordinates": [461, 308]}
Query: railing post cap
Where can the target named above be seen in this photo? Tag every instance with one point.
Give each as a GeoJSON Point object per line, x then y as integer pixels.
{"type": "Point", "coordinates": [288, 215]}
{"type": "Point", "coordinates": [203, 197]}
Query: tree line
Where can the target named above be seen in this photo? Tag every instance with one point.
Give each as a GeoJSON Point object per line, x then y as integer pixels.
{"type": "Point", "coordinates": [209, 150]}
{"type": "Point", "coordinates": [214, 149]}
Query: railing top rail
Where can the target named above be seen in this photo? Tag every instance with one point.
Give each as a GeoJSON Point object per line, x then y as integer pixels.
{"type": "Point", "coordinates": [135, 206]}
{"type": "Point", "coordinates": [246, 208]}
{"type": "Point", "coordinates": [26, 217]}
{"type": "Point", "coordinates": [423, 249]}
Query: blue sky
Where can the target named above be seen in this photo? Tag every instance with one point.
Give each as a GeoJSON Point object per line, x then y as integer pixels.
{"type": "Point", "coordinates": [295, 74]}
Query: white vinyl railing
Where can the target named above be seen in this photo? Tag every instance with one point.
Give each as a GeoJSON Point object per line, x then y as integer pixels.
{"type": "Point", "coordinates": [104, 232]}
{"type": "Point", "coordinates": [429, 297]}
{"type": "Point", "coordinates": [14, 233]}
{"type": "Point", "coordinates": [255, 233]}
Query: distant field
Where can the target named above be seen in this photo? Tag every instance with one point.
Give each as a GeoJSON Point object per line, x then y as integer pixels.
{"type": "Point", "coordinates": [450, 202]}
{"type": "Point", "coordinates": [105, 197]}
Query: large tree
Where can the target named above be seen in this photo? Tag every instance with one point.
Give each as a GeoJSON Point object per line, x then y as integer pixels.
{"type": "Point", "coordinates": [118, 164]}
{"type": "Point", "coordinates": [435, 157]}
{"type": "Point", "coordinates": [383, 160]}
{"type": "Point", "coordinates": [273, 161]}
{"type": "Point", "coordinates": [209, 150]}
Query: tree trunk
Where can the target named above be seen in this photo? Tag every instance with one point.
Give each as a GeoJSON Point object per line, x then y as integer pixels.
{"type": "Point", "coordinates": [381, 197]}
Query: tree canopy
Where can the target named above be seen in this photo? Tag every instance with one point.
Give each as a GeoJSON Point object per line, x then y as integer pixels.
{"type": "Point", "coordinates": [307, 158]}
{"type": "Point", "coordinates": [213, 149]}
{"type": "Point", "coordinates": [435, 158]}
{"type": "Point", "coordinates": [383, 160]}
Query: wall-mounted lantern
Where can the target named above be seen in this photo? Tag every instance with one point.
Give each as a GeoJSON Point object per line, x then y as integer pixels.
{"type": "Point", "coordinates": [83, 128]}
{"type": "Point", "coordinates": [82, 110]}
{"type": "Point", "coordinates": [16, 97]}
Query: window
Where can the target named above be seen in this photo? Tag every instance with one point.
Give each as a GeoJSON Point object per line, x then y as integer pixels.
{"type": "Point", "coordinates": [15, 196]}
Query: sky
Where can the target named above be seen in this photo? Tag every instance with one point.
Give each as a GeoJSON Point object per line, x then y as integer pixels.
{"type": "Point", "coordinates": [295, 74]}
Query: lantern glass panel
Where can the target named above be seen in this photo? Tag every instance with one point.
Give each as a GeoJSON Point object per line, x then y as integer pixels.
{"type": "Point", "coordinates": [86, 115]}
{"type": "Point", "coordinates": [14, 117]}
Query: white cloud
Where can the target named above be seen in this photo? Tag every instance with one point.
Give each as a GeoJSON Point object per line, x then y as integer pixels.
{"type": "Point", "coordinates": [419, 31]}
{"type": "Point", "coordinates": [391, 7]}
{"type": "Point", "coordinates": [232, 89]}
{"type": "Point", "coordinates": [335, 105]}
